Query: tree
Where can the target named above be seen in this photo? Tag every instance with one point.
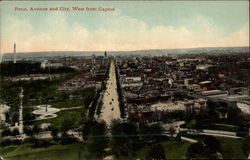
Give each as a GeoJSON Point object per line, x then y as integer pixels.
{"type": "Point", "coordinates": [95, 146]}
{"type": "Point", "coordinates": [54, 133]}
{"type": "Point", "coordinates": [212, 145]}
{"type": "Point", "coordinates": [15, 132]}
{"type": "Point", "coordinates": [6, 132]}
{"type": "Point", "coordinates": [36, 130]}
{"type": "Point", "coordinates": [27, 114]}
{"type": "Point", "coordinates": [195, 150]}
{"type": "Point", "coordinates": [156, 152]}
{"type": "Point", "coordinates": [97, 141]}
{"type": "Point", "coordinates": [28, 130]}
{"type": "Point", "coordinates": [207, 147]}
{"type": "Point", "coordinates": [14, 118]}
{"type": "Point", "coordinates": [124, 134]}
{"type": "Point", "coordinates": [66, 124]}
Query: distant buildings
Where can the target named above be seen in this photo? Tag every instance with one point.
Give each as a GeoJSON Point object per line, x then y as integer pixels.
{"type": "Point", "coordinates": [47, 64]}
{"type": "Point", "coordinates": [157, 110]}
{"type": "Point", "coordinates": [91, 70]}
{"type": "Point", "coordinates": [158, 84]}
{"type": "Point", "coordinates": [242, 101]}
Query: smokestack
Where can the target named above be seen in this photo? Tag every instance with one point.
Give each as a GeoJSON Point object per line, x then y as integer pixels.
{"type": "Point", "coordinates": [14, 61]}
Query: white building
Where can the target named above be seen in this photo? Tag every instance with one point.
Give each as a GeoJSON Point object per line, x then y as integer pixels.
{"type": "Point", "coordinates": [187, 105]}
{"type": "Point", "coordinates": [132, 81]}
{"type": "Point", "coordinates": [3, 110]}
{"type": "Point", "coordinates": [244, 106]}
{"type": "Point", "coordinates": [203, 66]}
{"type": "Point", "coordinates": [47, 64]}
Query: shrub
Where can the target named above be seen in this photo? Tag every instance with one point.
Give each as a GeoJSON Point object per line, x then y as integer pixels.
{"type": "Point", "coordinates": [15, 132]}
{"type": "Point", "coordinates": [17, 142]}
{"type": "Point", "coordinates": [28, 130]}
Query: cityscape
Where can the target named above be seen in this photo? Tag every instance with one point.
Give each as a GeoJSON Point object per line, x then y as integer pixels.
{"type": "Point", "coordinates": [135, 87]}
{"type": "Point", "coordinates": [102, 102]}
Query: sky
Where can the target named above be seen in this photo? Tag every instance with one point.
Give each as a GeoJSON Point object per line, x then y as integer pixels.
{"type": "Point", "coordinates": [134, 25]}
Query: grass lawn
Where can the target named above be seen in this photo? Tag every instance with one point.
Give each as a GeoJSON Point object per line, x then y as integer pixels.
{"type": "Point", "coordinates": [232, 148]}
{"type": "Point", "coordinates": [74, 116]}
{"type": "Point", "coordinates": [81, 96]}
{"type": "Point", "coordinates": [173, 150]}
{"type": "Point", "coordinates": [176, 150]}
{"type": "Point", "coordinates": [54, 152]}
{"type": "Point", "coordinates": [67, 104]}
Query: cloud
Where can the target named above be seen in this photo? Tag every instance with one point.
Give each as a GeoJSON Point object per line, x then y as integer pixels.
{"type": "Point", "coordinates": [117, 33]}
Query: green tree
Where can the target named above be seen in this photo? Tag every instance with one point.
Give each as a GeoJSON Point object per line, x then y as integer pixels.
{"type": "Point", "coordinates": [206, 148]}
{"type": "Point", "coordinates": [54, 133]}
{"type": "Point", "coordinates": [124, 135]}
{"type": "Point", "coordinates": [28, 130]}
{"type": "Point", "coordinates": [36, 131]}
{"type": "Point", "coordinates": [15, 132]}
{"type": "Point", "coordinates": [66, 124]}
{"type": "Point", "coordinates": [97, 140]}
{"type": "Point", "coordinates": [6, 132]}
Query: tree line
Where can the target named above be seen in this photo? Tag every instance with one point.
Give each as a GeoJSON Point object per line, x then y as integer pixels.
{"type": "Point", "coordinates": [20, 68]}
{"type": "Point", "coordinates": [120, 94]}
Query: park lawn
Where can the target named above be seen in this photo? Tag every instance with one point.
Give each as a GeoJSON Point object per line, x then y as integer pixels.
{"type": "Point", "coordinates": [54, 152]}
{"type": "Point", "coordinates": [74, 115]}
{"type": "Point", "coordinates": [232, 148]}
{"type": "Point", "coordinates": [82, 95]}
{"type": "Point", "coordinates": [67, 104]}
{"type": "Point", "coordinates": [173, 149]}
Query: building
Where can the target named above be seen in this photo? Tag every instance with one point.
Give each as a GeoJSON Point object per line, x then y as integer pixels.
{"type": "Point", "coordinates": [3, 110]}
{"type": "Point", "coordinates": [188, 106]}
{"type": "Point", "coordinates": [47, 64]}
{"type": "Point", "coordinates": [215, 93]}
{"type": "Point", "coordinates": [244, 106]}
{"type": "Point", "coordinates": [205, 85]}
{"type": "Point", "coordinates": [132, 81]}
{"type": "Point", "coordinates": [203, 66]}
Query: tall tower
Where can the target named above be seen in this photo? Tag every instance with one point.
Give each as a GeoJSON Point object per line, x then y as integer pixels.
{"type": "Point", "coordinates": [14, 59]}
{"type": "Point", "coordinates": [20, 126]}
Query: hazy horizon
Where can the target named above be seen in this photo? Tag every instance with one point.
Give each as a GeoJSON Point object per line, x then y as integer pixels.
{"type": "Point", "coordinates": [129, 50]}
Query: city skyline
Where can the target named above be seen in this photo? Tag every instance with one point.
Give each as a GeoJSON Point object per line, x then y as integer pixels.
{"type": "Point", "coordinates": [132, 26]}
